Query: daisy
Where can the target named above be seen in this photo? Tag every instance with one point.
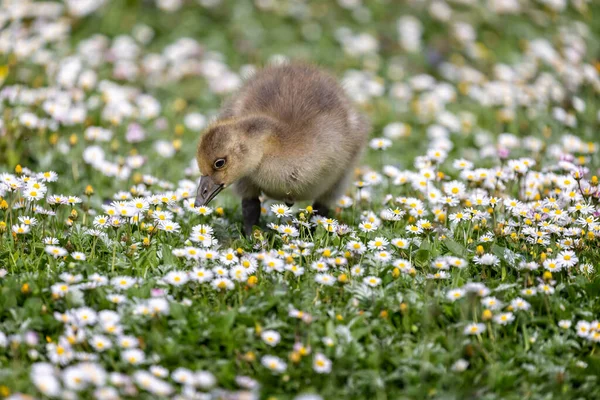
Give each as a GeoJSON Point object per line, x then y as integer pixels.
{"type": "Point", "coordinates": [201, 275]}
{"type": "Point", "coordinates": [401, 243]}
{"type": "Point", "coordinates": [29, 221]}
{"type": "Point", "coordinates": [491, 303]}
{"type": "Point", "coordinates": [21, 229]}
{"type": "Point", "coordinates": [321, 364]}
{"type": "Point", "coordinates": [545, 288]}
{"type": "Point", "coordinates": [133, 356]}
{"type": "Point", "coordinates": [382, 256]}
{"type": "Point", "coordinates": [238, 273]}
{"type": "Point", "coordinates": [78, 256]}
{"type": "Point", "coordinates": [357, 270]}
{"type": "Point", "coordinates": [564, 323]}
{"type": "Point", "coordinates": [249, 264]}
{"type": "Point", "coordinates": [275, 364]}
{"type": "Point", "coordinates": [222, 284]}
{"type": "Point", "coordinates": [281, 210]}
{"type": "Point", "coordinates": [325, 279]}
{"type": "Point", "coordinates": [294, 269]}
{"type": "Point", "coordinates": [520, 304]}
{"type": "Point", "coordinates": [169, 226]}
{"type": "Point", "coordinates": [123, 282]}
{"type": "Point", "coordinates": [380, 143]}
{"type": "Point", "coordinates": [176, 278]}
{"type": "Point", "coordinates": [414, 229]}
{"type": "Point", "coordinates": [372, 281]}
{"type": "Point", "coordinates": [127, 342]}
{"type": "Point", "coordinates": [379, 243]}
{"type": "Point", "coordinates": [460, 365]}
{"type": "Point", "coordinates": [183, 376]}
{"type": "Point", "coordinates": [403, 265]}
{"type": "Point", "coordinates": [367, 226]}
{"type": "Point", "coordinates": [455, 294]}
{"type": "Point", "coordinates": [567, 259]}
{"type": "Point", "coordinates": [270, 337]}
{"type": "Point", "coordinates": [474, 329]}
{"type": "Point", "coordinates": [486, 259]}
{"type": "Point", "coordinates": [100, 343]}
{"type": "Point", "coordinates": [56, 251]}
{"type": "Point", "coordinates": [504, 318]}
{"type": "Point", "coordinates": [582, 328]}
{"type": "Point", "coordinates": [356, 247]}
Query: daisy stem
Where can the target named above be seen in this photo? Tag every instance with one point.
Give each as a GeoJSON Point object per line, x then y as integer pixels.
{"type": "Point", "coordinates": [113, 258]}
{"type": "Point", "coordinates": [94, 246]}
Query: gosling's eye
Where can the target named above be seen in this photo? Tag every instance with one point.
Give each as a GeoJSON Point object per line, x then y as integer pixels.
{"type": "Point", "coordinates": [219, 163]}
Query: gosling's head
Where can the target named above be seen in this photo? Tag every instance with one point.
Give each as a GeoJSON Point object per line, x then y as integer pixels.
{"type": "Point", "coordinates": [230, 150]}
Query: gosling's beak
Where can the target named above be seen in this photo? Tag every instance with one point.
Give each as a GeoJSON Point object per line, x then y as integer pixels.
{"type": "Point", "coordinates": [207, 190]}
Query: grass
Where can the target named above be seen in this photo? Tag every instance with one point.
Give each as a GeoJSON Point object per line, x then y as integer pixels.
{"type": "Point", "coordinates": [392, 330]}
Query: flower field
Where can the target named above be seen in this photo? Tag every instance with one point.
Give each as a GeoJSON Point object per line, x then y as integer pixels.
{"type": "Point", "coordinates": [461, 263]}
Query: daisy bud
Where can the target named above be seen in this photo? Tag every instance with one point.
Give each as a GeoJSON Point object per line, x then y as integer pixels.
{"type": "Point", "coordinates": [396, 272]}
{"type": "Point", "coordinates": [480, 250]}
{"type": "Point", "coordinates": [25, 288]}
{"type": "Point", "coordinates": [3, 204]}
{"type": "Point", "coordinates": [543, 257]}
{"type": "Point", "coordinates": [177, 144]}
{"type": "Point", "coordinates": [252, 281]}
{"type": "Point", "coordinates": [547, 275]}
{"type": "Point", "coordinates": [594, 180]}
{"type": "Point", "coordinates": [89, 190]}
{"type": "Point", "coordinates": [309, 209]}
{"type": "Point", "coordinates": [339, 317]}
{"type": "Point", "coordinates": [19, 169]}
{"type": "Point", "coordinates": [73, 139]}
{"type": "Point", "coordinates": [403, 307]}
{"type": "Point", "coordinates": [179, 129]}
{"type": "Point", "coordinates": [179, 104]}
{"type": "Point", "coordinates": [53, 139]}
{"type": "Point", "coordinates": [383, 314]}
{"type": "Point", "coordinates": [343, 278]}
{"type": "Point", "coordinates": [486, 315]}
{"type": "Point", "coordinates": [2, 226]}
{"type": "Point", "coordinates": [219, 211]}
{"type": "Point", "coordinates": [295, 357]}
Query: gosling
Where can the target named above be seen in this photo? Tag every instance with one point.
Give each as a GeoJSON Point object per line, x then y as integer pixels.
{"type": "Point", "coordinates": [290, 133]}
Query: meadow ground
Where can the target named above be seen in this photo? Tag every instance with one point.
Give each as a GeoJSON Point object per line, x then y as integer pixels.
{"type": "Point", "coordinates": [463, 262]}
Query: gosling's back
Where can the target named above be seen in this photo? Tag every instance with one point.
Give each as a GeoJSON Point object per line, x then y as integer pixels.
{"type": "Point", "coordinates": [299, 95]}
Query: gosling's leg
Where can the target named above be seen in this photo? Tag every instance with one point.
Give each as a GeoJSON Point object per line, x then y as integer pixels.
{"type": "Point", "coordinates": [251, 214]}
{"type": "Point", "coordinates": [321, 209]}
